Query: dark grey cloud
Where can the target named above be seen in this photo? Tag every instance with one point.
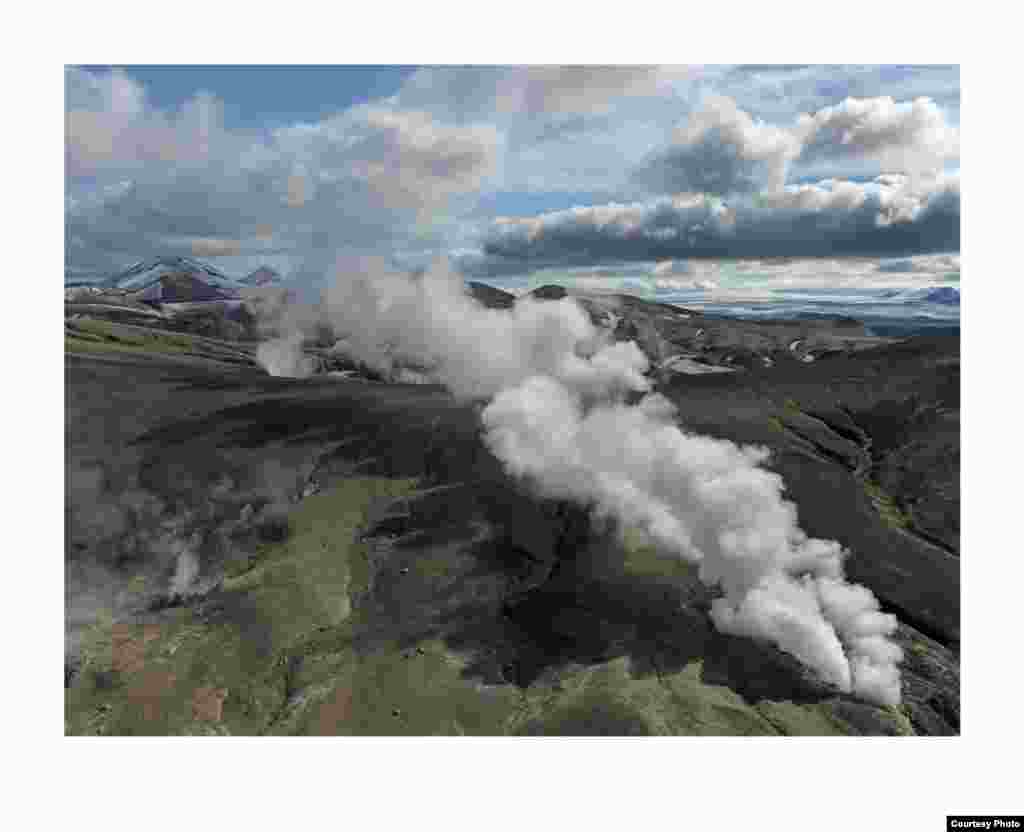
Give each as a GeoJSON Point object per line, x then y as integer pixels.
{"type": "Point", "coordinates": [712, 165]}
{"type": "Point", "coordinates": [826, 220]}
{"type": "Point", "coordinates": [720, 149]}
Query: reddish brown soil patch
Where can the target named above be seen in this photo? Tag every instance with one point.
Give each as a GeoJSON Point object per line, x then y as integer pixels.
{"type": "Point", "coordinates": [208, 703]}
{"type": "Point", "coordinates": [151, 691]}
{"type": "Point", "coordinates": [335, 712]}
{"type": "Point", "coordinates": [129, 649]}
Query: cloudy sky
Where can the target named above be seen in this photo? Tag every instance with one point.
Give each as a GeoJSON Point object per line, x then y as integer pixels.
{"type": "Point", "coordinates": [673, 176]}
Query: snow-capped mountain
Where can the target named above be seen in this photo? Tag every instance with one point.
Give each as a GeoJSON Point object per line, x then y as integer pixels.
{"type": "Point", "coordinates": [145, 273]}
{"type": "Point", "coordinates": [946, 295]}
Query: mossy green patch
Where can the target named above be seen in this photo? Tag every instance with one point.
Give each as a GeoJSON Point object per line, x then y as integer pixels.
{"type": "Point", "coordinates": [92, 335]}
{"type": "Point", "coordinates": [886, 506]}
{"type": "Point", "coordinates": [640, 557]}
{"type": "Point", "coordinates": [396, 691]}
{"type": "Point", "coordinates": [804, 720]}
{"type": "Point", "coordinates": [711, 710]}
{"type": "Point", "coordinates": [231, 670]}
{"type": "Point", "coordinates": [900, 719]}
{"type": "Point", "coordinates": [836, 717]}
{"type": "Point", "coordinates": [106, 334]}
{"type": "Point", "coordinates": [310, 579]}
{"type": "Point", "coordinates": [596, 700]}
{"type": "Point", "coordinates": [609, 699]}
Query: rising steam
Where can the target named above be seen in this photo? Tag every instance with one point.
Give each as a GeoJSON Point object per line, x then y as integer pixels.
{"type": "Point", "coordinates": [558, 415]}
{"type": "Point", "coordinates": [284, 357]}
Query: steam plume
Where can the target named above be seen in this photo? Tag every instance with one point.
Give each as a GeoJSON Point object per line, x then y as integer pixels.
{"type": "Point", "coordinates": [284, 357]}
{"type": "Point", "coordinates": [559, 416]}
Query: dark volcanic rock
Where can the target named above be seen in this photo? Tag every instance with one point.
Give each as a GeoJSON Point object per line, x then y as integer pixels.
{"type": "Point", "coordinates": [665, 331]}
{"type": "Point", "coordinates": [491, 296]}
{"type": "Point", "coordinates": [550, 292]}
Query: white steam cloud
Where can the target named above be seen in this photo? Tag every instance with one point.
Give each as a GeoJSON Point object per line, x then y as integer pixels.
{"type": "Point", "coordinates": [186, 570]}
{"type": "Point", "coordinates": [722, 149]}
{"type": "Point", "coordinates": [559, 416]}
{"type": "Point", "coordinates": [284, 357]}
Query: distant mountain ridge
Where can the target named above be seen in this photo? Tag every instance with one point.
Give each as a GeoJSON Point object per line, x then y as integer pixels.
{"type": "Point", "coordinates": [943, 294]}
{"type": "Point", "coordinates": [145, 273]}
{"type": "Point", "coordinates": [946, 295]}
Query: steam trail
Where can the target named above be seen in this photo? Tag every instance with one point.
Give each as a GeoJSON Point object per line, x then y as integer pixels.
{"type": "Point", "coordinates": [559, 417]}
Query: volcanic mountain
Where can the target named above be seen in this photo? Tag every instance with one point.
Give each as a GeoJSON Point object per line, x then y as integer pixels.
{"type": "Point", "coordinates": [174, 280]}
{"type": "Point", "coordinates": [946, 295]}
